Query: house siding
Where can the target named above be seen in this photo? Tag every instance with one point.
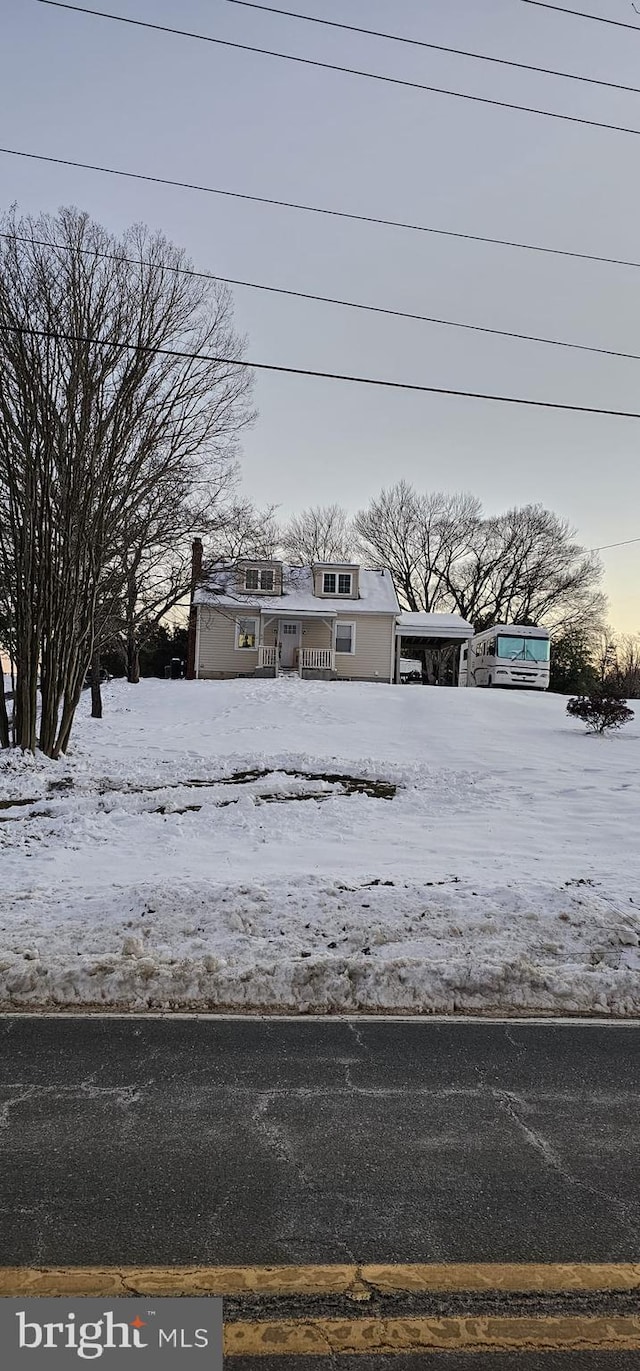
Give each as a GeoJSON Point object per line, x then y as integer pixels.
{"type": "Point", "coordinates": [316, 634]}
{"type": "Point", "coordinates": [217, 653]}
{"type": "Point", "coordinates": [372, 660]}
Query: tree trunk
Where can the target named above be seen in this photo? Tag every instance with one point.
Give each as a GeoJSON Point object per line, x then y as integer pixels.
{"type": "Point", "coordinates": [96, 694]}
{"type": "Point", "coordinates": [429, 666]}
{"type": "Point", "coordinates": [71, 701]}
{"type": "Point", "coordinates": [133, 661]}
{"type": "Point", "coordinates": [4, 717]}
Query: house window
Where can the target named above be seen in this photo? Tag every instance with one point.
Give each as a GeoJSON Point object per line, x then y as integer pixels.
{"type": "Point", "coordinates": [344, 583]}
{"type": "Point", "coordinates": [246, 634]}
{"type": "Point", "coordinates": [346, 638]}
{"type": "Point", "coordinates": [329, 583]}
{"type": "Point", "coordinates": [258, 580]}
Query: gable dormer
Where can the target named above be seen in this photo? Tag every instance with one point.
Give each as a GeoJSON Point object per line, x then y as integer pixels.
{"type": "Point", "coordinates": [336, 580]}
{"type": "Point", "coordinates": [258, 577]}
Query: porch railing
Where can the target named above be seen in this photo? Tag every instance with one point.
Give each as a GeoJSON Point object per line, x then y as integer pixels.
{"type": "Point", "coordinates": [316, 659]}
{"type": "Point", "coordinates": [267, 656]}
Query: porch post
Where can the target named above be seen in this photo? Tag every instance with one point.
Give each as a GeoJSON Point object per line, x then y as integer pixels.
{"type": "Point", "coordinates": [398, 656]}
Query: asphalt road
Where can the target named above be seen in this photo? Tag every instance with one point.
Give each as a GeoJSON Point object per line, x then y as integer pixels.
{"type": "Point", "coordinates": [233, 1142]}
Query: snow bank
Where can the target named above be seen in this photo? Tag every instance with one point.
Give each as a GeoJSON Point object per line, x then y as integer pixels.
{"type": "Point", "coordinates": [201, 849]}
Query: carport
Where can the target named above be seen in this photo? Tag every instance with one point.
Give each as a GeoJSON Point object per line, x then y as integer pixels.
{"type": "Point", "coordinates": [428, 635]}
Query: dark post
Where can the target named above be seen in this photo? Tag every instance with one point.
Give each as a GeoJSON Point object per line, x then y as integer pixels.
{"type": "Point", "coordinates": [196, 573]}
{"type": "Point", "coordinates": [96, 693]}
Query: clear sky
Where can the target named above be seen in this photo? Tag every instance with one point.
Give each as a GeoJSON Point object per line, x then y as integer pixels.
{"type": "Point", "coordinates": [83, 88]}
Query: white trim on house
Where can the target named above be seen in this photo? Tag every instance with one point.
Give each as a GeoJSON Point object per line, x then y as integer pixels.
{"type": "Point", "coordinates": [345, 623]}
{"type": "Point", "coordinates": [197, 647]}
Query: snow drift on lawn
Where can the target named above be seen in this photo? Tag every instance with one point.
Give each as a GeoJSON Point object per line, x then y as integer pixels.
{"type": "Point", "coordinates": [502, 875]}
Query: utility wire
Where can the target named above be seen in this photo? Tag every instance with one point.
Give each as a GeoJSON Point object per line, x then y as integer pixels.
{"type": "Point", "coordinates": [325, 299]}
{"type": "Point", "coordinates": [433, 47]}
{"type": "Point", "coordinates": [349, 71]}
{"type": "Point", "coordinates": [57, 336]}
{"type": "Point", "coordinates": [607, 546]}
{"type": "Point", "coordinates": [580, 14]}
{"type": "Point", "coordinates": [319, 209]}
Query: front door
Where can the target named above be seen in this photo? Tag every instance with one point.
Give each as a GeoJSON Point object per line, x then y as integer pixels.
{"type": "Point", "coordinates": [289, 640]}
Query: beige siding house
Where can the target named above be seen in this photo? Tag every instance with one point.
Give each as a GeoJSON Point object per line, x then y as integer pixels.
{"type": "Point", "coordinates": [324, 622]}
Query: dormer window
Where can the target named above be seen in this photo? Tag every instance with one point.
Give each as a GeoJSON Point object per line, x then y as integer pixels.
{"type": "Point", "coordinates": [333, 581]}
{"type": "Point", "coordinates": [256, 578]}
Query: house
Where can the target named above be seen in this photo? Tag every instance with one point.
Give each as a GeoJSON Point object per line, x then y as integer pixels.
{"type": "Point", "coordinates": [330, 621]}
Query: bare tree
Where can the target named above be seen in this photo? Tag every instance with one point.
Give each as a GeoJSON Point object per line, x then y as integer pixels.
{"type": "Point", "coordinates": [617, 663]}
{"type": "Point", "coordinates": [520, 567]}
{"type": "Point", "coordinates": [244, 531]}
{"type": "Point", "coordinates": [421, 539]}
{"type": "Point", "coordinates": [320, 534]}
{"type": "Point", "coordinates": [604, 653]}
{"type": "Point", "coordinates": [628, 666]}
{"type": "Point", "coordinates": [525, 567]}
{"type": "Point", "coordinates": [117, 375]}
{"type": "Point", "coordinates": [151, 569]}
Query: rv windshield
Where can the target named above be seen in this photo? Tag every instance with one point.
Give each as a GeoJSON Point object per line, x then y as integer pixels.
{"type": "Point", "coordinates": [523, 649]}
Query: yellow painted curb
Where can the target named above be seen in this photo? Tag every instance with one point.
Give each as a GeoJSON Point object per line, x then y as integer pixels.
{"type": "Point", "coordinates": [318, 1337]}
{"type": "Point", "coordinates": [356, 1281]}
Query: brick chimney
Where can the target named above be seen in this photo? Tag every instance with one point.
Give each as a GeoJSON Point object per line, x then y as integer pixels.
{"type": "Point", "coordinates": [196, 576]}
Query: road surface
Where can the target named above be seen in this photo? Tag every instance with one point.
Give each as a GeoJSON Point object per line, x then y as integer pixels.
{"type": "Point", "coordinates": [248, 1142]}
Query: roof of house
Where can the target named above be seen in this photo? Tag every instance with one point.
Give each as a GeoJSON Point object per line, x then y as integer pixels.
{"type": "Point", "coordinates": [411, 625]}
{"type": "Point", "coordinates": [377, 594]}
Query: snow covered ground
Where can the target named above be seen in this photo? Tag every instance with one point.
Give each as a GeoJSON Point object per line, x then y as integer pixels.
{"type": "Point", "coordinates": [503, 874]}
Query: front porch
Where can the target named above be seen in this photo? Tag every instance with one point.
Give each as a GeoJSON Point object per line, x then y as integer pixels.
{"type": "Point", "coordinates": [309, 662]}
{"type": "Point", "coordinates": [302, 645]}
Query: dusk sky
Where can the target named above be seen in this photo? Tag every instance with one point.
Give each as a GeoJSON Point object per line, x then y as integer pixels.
{"type": "Point", "coordinates": [88, 89]}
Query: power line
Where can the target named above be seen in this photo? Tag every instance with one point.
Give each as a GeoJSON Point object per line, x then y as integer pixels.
{"type": "Point", "coordinates": [607, 546]}
{"type": "Point", "coordinates": [580, 14]}
{"type": "Point", "coordinates": [57, 336]}
{"type": "Point", "coordinates": [349, 71]}
{"type": "Point", "coordinates": [328, 299]}
{"type": "Point", "coordinates": [433, 47]}
{"type": "Point", "coordinates": [319, 209]}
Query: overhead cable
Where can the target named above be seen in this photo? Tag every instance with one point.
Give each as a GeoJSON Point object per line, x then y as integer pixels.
{"type": "Point", "coordinates": [349, 71]}
{"type": "Point", "coordinates": [330, 299]}
{"type": "Point", "coordinates": [432, 47]}
{"type": "Point", "coordinates": [582, 14]}
{"type": "Point", "coordinates": [58, 336]}
{"type": "Point", "coordinates": [320, 209]}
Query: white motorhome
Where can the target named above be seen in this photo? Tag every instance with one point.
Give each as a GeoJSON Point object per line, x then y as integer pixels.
{"type": "Point", "coordinates": [507, 655]}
